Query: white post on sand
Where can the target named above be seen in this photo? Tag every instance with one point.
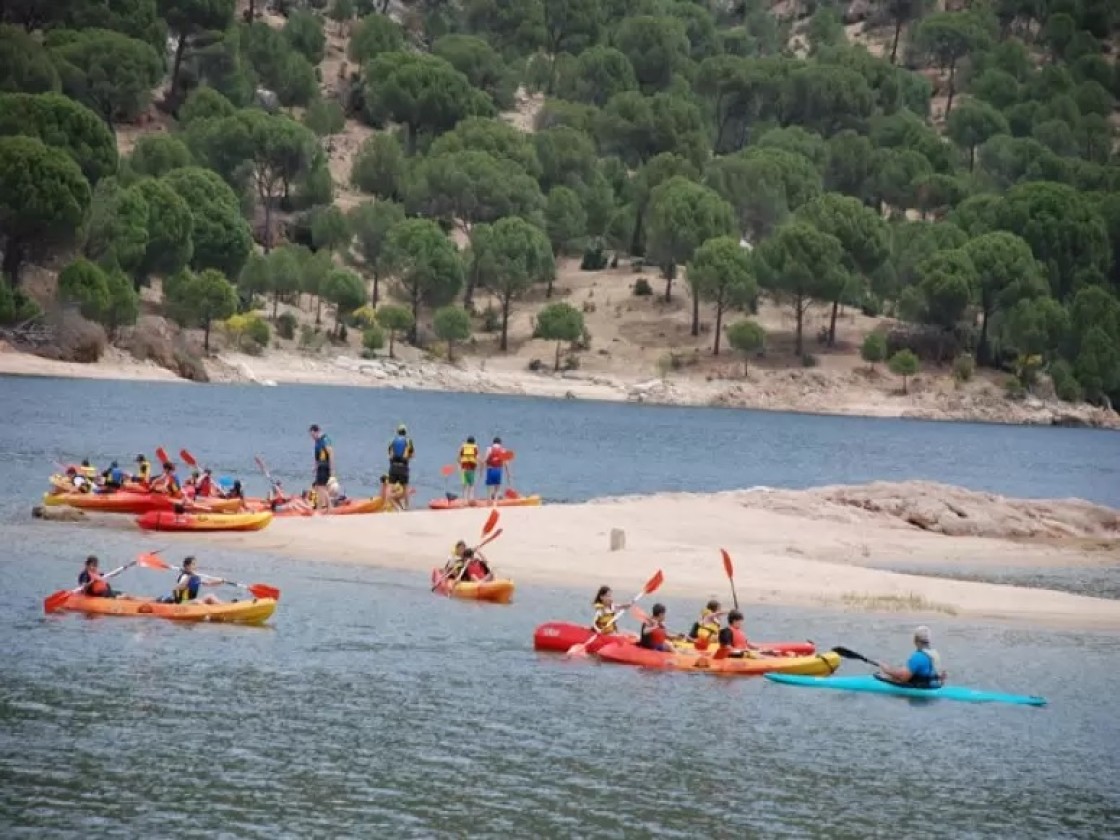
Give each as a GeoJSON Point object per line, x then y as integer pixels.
{"type": "Point", "coordinates": [618, 539]}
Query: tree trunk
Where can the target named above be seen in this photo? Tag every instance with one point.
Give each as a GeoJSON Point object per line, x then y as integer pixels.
{"type": "Point", "coordinates": [275, 304]}
{"type": "Point", "coordinates": [13, 261]}
{"type": "Point", "coordinates": [832, 324]}
{"type": "Point", "coordinates": [412, 332]}
{"type": "Point", "coordinates": [318, 310]}
{"type": "Point", "coordinates": [695, 314]}
{"type": "Point", "coordinates": [982, 346]}
{"type": "Point", "coordinates": [548, 288]}
{"type": "Point", "coordinates": [180, 48]}
{"type": "Point", "coordinates": [376, 287]}
{"type": "Point", "coordinates": [952, 84]}
{"type": "Point", "coordinates": [894, 41]}
{"type": "Point", "coordinates": [800, 311]}
{"type": "Point", "coordinates": [392, 343]}
{"type": "Point", "coordinates": [503, 344]}
{"type": "Point", "coordinates": [267, 222]}
{"type": "Point", "coordinates": [905, 390]}
{"type": "Point", "coordinates": [669, 270]}
{"type": "Point", "coordinates": [450, 351]}
{"type": "Point", "coordinates": [556, 366]}
{"type": "Point", "coordinates": [719, 327]}
{"type": "Point", "coordinates": [636, 248]}
{"type": "Point", "coordinates": [252, 10]}
{"type": "Point", "coordinates": [206, 336]}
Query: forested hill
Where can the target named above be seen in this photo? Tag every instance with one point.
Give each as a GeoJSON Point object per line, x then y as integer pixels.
{"type": "Point", "coordinates": [951, 171]}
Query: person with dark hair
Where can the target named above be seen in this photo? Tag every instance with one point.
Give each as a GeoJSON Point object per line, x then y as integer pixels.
{"type": "Point", "coordinates": [655, 636]}
{"type": "Point", "coordinates": [92, 583]}
{"type": "Point", "coordinates": [324, 465]}
{"type": "Point", "coordinates": [706, 630]}
{"type": "Point", "coordinates": [495, 468]}
{"type": "Point", "coordinates": [188, 584]}
{"type": "Point", "coordinates": [401, 452]}
{"type": "Point", "coordinates": [733, 637]}
{"type": "Point", "coordinates": [168, 482]}
{"type": "Point", "coordinates": [606, 611]}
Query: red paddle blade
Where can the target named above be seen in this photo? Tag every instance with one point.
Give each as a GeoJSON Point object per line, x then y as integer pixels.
{"type": "Point", "coordinates": [447, 470]}
{"type": "Point", "coordinates": [512, 494]}
{"type": "Point", "coordinates": [150, 561]}
{"type": "Point", "coordinates": [654, 583]}
{"type": "Point", "coordinates": [727, 567]}
{"type": "Point", "coordinates": [188, 457]}
{"type": "Point", "coordinates": [161, 454]}
{"type": "Point", "coordinates": [640, 614]}
{"type": "Point", "coordinates": [508, 456]}
{"type": "Point", "coordinates": [263, 590]}
{"type": "Point", "coordinates": [491, 521]}
{"type": "Point", "coordinates": [54, 601]}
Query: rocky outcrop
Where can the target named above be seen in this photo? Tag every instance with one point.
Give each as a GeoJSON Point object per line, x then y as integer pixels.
{"type": "Point", "coordinates": [58, 514]}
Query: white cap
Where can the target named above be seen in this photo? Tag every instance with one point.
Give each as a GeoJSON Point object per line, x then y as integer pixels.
{"type": "Point", "coordinates": [922, 635]}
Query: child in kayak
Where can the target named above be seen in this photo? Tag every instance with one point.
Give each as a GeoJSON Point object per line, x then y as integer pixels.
{"type": "Point", "coordinates": [92, 583]}
{"type": "Point", "coordinates": [706, 630]}
{"type": "Point", "coordinates": [144, 470]}
{"type": "Point", "coordinates": [654, 635]}
{"type": "Point", "coordinates": [606, 611]}
{"type": "Point", "coordinates": [923, 668]}
{"type": "Point", "coordinates": [188, 584]}
{"type": "Point", "coordinates": [477, 569]}
{"type": "Point", "coordinates": [732, 638]}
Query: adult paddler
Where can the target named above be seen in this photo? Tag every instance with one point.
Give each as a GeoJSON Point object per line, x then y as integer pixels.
{"type": "Point", "coordinates": [468, 467]}
{"type": "Point", "coordinates": [324, 465]}
{"type": "Point", "coordinates": [401, 452]}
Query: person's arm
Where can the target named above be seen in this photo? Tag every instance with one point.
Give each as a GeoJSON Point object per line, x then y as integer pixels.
{"type": "Point", "coordinates": [901, 673]}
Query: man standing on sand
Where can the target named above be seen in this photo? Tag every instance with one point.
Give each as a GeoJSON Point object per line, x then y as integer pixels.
{"type": "Point", "coordinates": [324, 466]}
{"type": "Point", "coordinates": [495, 468]}
{"type": "Point", "coordinates": [401, 451]}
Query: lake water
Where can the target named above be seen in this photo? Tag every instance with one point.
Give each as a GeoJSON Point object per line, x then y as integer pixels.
{"type": "Point", "coordinates": [370, 708]}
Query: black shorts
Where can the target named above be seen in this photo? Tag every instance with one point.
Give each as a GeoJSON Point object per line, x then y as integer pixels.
{"type": "Point", "coordinates": [322, 475]}
{"type": "Point", "coordinates": [398, 473]}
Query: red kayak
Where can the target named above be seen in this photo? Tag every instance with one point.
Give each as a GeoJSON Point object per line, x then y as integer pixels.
{"type": "Point", "coordinates": [559, 636]}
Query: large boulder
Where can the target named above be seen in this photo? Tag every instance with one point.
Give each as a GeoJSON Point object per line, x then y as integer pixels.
{"type": "Point", "coordinates": [58, 514]}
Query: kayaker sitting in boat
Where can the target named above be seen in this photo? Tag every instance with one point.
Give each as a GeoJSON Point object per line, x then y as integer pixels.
{"type": "Point", "coordinates": [92, 583]}
{"type": "Point", "coordinates": [654, 635]}
{"type": "Point", "coordinates": [477, 569]}
{"type": "Point", "coordinates": [733, 637]}
{"type": "Point", "coordinates": [188, 584]}
{"type": "Point", "coordinates": [606, 611]}
{"type": "Point", "coordinates": [706, 630]}
{"type": "Point", "coordinates": [88, 471]}
{"type": "Point", "coordinates": [454, 567]}
{"type": "Point", "coordinates": [923, 668]}
{"type": "Point", "coordinates": [114, 477]}
{"type": "Point", "coordinates": [168, 481]}
{"type": "Point", "coordinates": [204, 485]}
{"type": "Point", "coordinates": [144, 470]}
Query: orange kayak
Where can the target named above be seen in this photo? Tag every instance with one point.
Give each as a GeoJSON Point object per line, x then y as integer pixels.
{"type": "Point", "coordinates": [254, 611]}
{"type": "Point", "coordinates": [456, 504]}
{"type": "Point", "coordinates": [494, 591]}
{"type": "Point", "coordinates": [162, 520]}
{"type": "Point", "coordinates": [821, 664]}
{"type": "Point", "coordinates": [349, 508]}
{"type": "Point", "coordinates": [136, 503]}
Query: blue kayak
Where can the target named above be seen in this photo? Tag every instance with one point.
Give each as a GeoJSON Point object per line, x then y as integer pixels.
{"type": "Point", "coordinates": [872, 685]}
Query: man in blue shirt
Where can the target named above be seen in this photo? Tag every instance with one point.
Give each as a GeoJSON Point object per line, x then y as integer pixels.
{"type": "Point", "coordinates": [923, 668]}
{"type": "Point", "coordinates": [401, 452]}
{"type": "Point", "coordinates": [324, 466]}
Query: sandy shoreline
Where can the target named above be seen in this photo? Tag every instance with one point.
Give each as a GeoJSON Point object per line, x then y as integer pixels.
{"type": "Point", "coordinates": [798, 391]}
{"type": "Point", "coordinates": [793, 548]}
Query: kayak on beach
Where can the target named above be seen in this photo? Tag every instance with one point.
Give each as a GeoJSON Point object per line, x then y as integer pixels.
{"type": "Point", "coordinates": [136, 503]}
{"type": "Point", "coordinates": [748, 665]}
{"type": "Point", "coordinates": [870, 684]}
{"type": "Point", "coordinates": [158, 520]}
{"type": "Point", "coordinates": [255, 611]}
{"type": "Point", "coordinates": [509, 501]}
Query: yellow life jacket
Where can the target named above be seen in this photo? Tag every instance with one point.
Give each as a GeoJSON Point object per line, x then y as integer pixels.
{"type": "Point", "coordinates": [707, 627]}
{"type": "Point", "coordinates": [145, 471]}
{"type": "Point", "coordinates": [604, 618]}
{"type": "Point", "coordinates": [88, 472]}
{"type": "Point", "coordinates": [468, 456]}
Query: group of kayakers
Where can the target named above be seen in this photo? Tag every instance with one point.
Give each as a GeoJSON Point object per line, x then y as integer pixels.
{"type": "Point", "coordinates": [188, 584]}
{"type": "Point", "coordinates": [86, 478]}
{"type": "Point", "coordinates": [923, 668]}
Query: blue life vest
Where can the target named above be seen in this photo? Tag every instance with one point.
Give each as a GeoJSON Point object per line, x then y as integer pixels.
{"type": "Point", "coordinates": [398, 448]}
{"type": "Point", "coordinates": [191, 592]}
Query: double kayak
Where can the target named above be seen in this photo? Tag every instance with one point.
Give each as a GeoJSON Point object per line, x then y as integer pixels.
{"type": "Point", "coordinates": [255, 611]}
{"type": "Point", "coordinates": [458, 504]}
{"type": "Point", "coordinates": [347, 508]}
{"type": "Point", "coordinates": [136, 503]}
{"type": "Point", "coordinates": [161, 520]}
{"type": "Point", "coordinates": [870, 684]}
{"type": "Point", "coordinates": [495, 591]}
{"type": "Point", "coordinates": [751, 665]}
{"type": "Point", "coordinates": [560, 636]}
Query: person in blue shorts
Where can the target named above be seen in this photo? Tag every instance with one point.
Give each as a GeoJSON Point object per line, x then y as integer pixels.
{"type": "Point", "coordinates": [923, 668]}
{"type": "Point", "coordinates": [495, 468]}
{"type": "Point", "coordinates": [324, 466]}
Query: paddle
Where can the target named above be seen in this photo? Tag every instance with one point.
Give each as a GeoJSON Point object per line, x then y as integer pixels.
{"type": "Point", "coordinates": [447, 470]}
{"type": "Point", "coordinates": [727, 567]}
{"type": "Point", "coordinates": [259, 590]}
{"type": "Point", "coordinates": [652, 585]}
{"type": "Point", "coordinates": [488, 536]}
{"type": "Point", "coordinates": [506, 459]}
{"type": "Point", "coordinates": [847, 653]}
{"type": "Point", "coordinates": [162, 455]}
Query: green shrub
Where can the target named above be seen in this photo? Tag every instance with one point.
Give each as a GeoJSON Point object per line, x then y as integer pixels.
{"type": "Point", "coordinates": [808, 360]}
{"type": "Point", "coordinates": [1066, 386]}
{"type": "Point", "coordinates": [286, 325]}
{"type": "Point", "coordinates": [964, 366]}
{"type": "Point", "coordinates": [373, 338]}
{"type": "Point", "coordinates": [257, 331]}
{"type": "Point", "coordinates": [491, 319]}
{"type": "Point", "coordinates": [1014, 388]}
{"type": "Point", "coordinates": [642, 288]}
{"type": "Point", "coordinates": [874, 348]}
{"type": "Point", "coordinates": [594, 259]}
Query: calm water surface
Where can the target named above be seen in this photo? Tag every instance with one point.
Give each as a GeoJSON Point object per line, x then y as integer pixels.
{"type": "Point", "coordinates": [370, 708]}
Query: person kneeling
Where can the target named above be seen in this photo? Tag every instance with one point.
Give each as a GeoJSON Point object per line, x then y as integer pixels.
{"type": "Point", "coordinates": [188, 584]}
